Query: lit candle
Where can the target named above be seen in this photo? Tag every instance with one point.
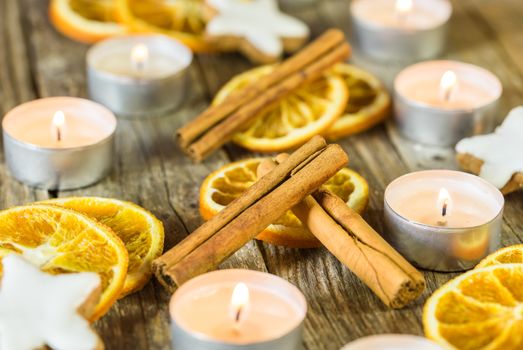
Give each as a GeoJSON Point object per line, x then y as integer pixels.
{"type": "Point", "coordinates": [58, 125]}
{"type": "Point", "coordinates": [242, 309]}
{"type": "Point", "coordinates": [443, 220]}
{"type": "Point", "coordinates": [441, 102]}
{"type": "Point", "coordinates": [402, 9]}
{"type": "Point", "coordinates": [139, 58]}
{"type": "Point", "coordinates": [400, 29]}
{"type": "Point", "coordinates": [138, 75]}
{"type": "Point", "coordinates": [59, 142]}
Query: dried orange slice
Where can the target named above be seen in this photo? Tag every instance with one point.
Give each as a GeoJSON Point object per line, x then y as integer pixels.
{"type": "Point", "coordinates": [369, 102]}
{"type": "Point", "coordinates": [481, 309]}
{"type": "Point", "coordinates": [141, 232]}
{"type": "Point", "coordinates": [181, 19]}
{"type": "Point", "coordinates": [85, 20]}
{"type": "Point", "coordinates": [59, 240]}
{"type": "Point", "coordinates": [507, 255]}
{"type": "Point", "coordinates": [309, 111]}
{"type": "Point", "coordinates": [225, 184]}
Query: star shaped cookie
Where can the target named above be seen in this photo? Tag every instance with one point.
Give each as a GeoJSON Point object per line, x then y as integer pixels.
{"type": "Point", "coordinates": [257, 28]}
{"type": "Point", "coordinates": [38, 309]}
{"type": "Point", "coordinates": [497, 157]}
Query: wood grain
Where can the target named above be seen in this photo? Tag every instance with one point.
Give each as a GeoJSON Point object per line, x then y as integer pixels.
{"type": "Point", "coordinates": [149, 169]}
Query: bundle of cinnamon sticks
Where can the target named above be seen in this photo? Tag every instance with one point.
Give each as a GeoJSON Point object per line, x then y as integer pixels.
{"type": "Point", "coordinates": [243, 219]}
{"type": "Point", "coordinates": [216, 125]}
{"type": "Point", "coordinates": [357, 245]}
{"type": "Point", "coordinates": [284, 184]}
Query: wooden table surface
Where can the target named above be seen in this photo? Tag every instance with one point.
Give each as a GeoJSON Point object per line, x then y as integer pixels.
{"type": "Point", "coordinates": [149, 169]}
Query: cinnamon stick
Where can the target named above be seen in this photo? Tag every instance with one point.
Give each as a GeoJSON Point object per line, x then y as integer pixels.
{"type": "Point", "coordinates": [358, 246]}
{"type": "Point", "coordinates": [304, 171]}
{"type": "Point", "coordinates": [210, 117]}
{"type": "Point", "coordinates": [217, 125]}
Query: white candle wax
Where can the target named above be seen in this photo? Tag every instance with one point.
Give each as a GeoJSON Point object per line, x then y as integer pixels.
{"type": "Point", "coordinates": [415, 197]}
{"type": "Point", "coordinates": [120, 63]}
{"type": "Point", "coordinates": [474, 86]}
{"type": "Point", "coordinates": [422, 15]}
{"type": "Point", "coordinates": [392, 342]}
{"type": "Point", "coordinates": [202, 308]}
{"type": "Point", "coordinates": [85, 123]}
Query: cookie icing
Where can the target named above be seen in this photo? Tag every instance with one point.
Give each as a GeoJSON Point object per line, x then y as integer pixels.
{"type": "Point", "coordinates": [38, 309]}
{"type": "Point", "coordinates": [501, 151]}
{"type": "Point", "coordinates": [258, 21]}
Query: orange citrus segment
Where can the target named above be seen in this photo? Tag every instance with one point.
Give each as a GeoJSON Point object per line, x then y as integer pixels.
{"type": "Point", "coordinates": [141, 232]}
{"type": "Point", "coordinates": [368, 105]}
{"type": "Point", "coordinates": [59, 240]}
{"type": "Point", "coordinates": [181, 19]}
{"type": "Point", "coordinates": [85, 20]}
{"type": "Point", "coordinates": [507, 255]}
{"type": "Point", "coordinates": [481, 309]}
{"type": "Point", "coordinates": [227, 183]}
{"type": "Point", "coordinates": [309, 111]}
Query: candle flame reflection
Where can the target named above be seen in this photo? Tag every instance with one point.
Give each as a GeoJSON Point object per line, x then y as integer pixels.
{"type": "Point", "coordinates": [403, 8]}
{"type": "Point", "coordinates": [139, 57]}
{"type": "Point", "coordinates": [448, 84]}
{"type": "Point", "coordinates": [58, 125]}
{"type": "Point", "coordinates": [239, 304]}
{"type": "Point", "coordinates": [444, 206]}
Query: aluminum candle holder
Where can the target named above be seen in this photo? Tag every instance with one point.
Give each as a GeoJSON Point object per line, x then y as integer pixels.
{"type": "Point", "coordinates": [139, 76]}
{"type": "Point", "coordinates": [58, 168]}
{"type": "Point", "coordinates": [430, 121]}
{"type": "Point", "coordinates": [387, 39]}
{"type": "Point", "coordinates": [190, 310]}
{"type": "Point", "coordinates": [443, 248]}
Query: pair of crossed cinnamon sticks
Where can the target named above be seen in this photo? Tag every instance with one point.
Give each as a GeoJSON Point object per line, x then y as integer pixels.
{"type": "Point", "coordinates": [288, 185]}
{"type": "Point", "coordinates": [216, 125]}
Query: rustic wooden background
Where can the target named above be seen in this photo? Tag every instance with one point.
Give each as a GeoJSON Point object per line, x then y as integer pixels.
{"type": "Point", "coordinates": [149, 169]}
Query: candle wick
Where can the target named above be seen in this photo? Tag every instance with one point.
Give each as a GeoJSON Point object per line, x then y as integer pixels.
{"type": "Point", "coordinates": [444, 209]}
{"type": "Point", "coordinates": [238, 314]}
{"type": "Point", "coordinates": [58, 135]}
{"type": "Point", "coordinates": [447, 95]}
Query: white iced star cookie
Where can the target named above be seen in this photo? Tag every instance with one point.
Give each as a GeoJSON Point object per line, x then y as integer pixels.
{"type": "Point", "coordinates": [257, 28]}
{"type": "Point", "coordinates": [497, 157]}
{"type": "Point", "coordinates": [38, 309]}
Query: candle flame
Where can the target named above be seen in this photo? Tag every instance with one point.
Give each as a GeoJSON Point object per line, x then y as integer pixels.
{"type": "Point", "coordinates": [444, 205]}
{"type": "Point", "coordinates": [448, 84]}
{"type": "Point", "coordinates": [239, 303]}
{"type": "Point", "coordinates": [139, 57]}
{"type": "Point", "coordinates": [58, 125]}
{"type": "Point", "coordinates": [403, 8]}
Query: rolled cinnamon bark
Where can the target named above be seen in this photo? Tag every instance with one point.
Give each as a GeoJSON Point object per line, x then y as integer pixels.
{"type": "Point", "coordinates": [357, 245]}
{"type": "Point", "coordinates": [303, 172]}
{"type": "Point", "coordinates": [214, 114]}
{"type": "Point", "coordinates": [216, 126]}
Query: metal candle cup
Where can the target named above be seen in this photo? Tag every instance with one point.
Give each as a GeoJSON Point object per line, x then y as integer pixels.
{"type": "Point", "coordinates": [423, 115]}
{"type": "Point", "coordinates": [138, 76]}
{"type": "Point", "coordinates": [201, 319]}
{"type": "Point", "coordinates": [412, 217]}
{"type": "Point", "coordinates": [85, 156]}
{"type": "Point", "coordinates": [381, 31]}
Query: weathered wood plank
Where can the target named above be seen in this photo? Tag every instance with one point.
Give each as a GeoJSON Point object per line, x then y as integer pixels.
{"type": "Point", "coordinates": [150, 169]}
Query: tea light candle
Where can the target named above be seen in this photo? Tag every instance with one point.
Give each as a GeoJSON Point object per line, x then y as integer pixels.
{"type": "Point", "coordinates": [392, 342]}
{"type": "Point", "coordinates": [443, 220]}
{"type": "Point", "coordinates": [59, 143]}
{"type": "Point", "coordinates": [441, 102]}
{"type": "Point", "coordinates": [400, 29]}
{"type": "Point", "coordinates": [138, 75]}
{"type": "Point", "coordinates": [237, 309]}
